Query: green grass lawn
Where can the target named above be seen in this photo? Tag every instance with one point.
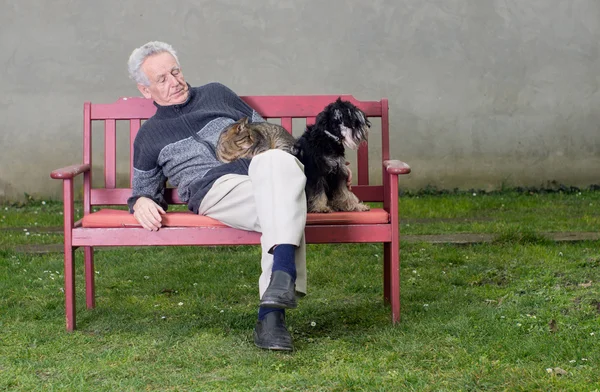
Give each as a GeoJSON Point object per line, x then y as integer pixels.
{"type": "Point", "coordinates": [518, 314]}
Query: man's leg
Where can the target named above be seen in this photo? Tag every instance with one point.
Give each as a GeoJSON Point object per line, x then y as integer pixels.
{"type": "Point", "coordinates": [270, 200]}
{"type": "Point", "coordinates": [278, 181]}
{"type": "Point", "coordinates": [231, 201]}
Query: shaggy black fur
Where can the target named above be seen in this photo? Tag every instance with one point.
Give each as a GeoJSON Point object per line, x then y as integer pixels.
{"type": "Point", "coordinates": [322, 151]}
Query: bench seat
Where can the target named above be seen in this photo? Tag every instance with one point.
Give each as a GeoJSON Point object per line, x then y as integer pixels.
{"type": "Point", "coordinates": [110, 218]}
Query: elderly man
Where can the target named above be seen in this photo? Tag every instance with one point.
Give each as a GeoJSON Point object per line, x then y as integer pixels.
{"type": "Point", "coordinates": [265, 194]}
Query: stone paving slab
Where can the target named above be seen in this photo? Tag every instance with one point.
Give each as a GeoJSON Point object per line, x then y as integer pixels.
{"type": "Point", "coordinates": [468, 238]}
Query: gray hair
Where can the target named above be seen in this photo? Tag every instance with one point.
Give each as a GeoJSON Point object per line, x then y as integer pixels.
{"type": "Point", "coordinates": [140, 54]}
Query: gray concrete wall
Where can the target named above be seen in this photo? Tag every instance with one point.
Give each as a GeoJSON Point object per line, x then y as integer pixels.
{"type": "Point", "coordinates": [482, 92]}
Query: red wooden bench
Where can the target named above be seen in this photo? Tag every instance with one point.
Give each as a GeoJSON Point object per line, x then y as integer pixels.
{"type": "Point", "coordinates": [113, 227]}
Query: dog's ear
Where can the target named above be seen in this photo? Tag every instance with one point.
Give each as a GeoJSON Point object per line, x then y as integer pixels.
{"type": "Point", "coordinates": [362, 117]}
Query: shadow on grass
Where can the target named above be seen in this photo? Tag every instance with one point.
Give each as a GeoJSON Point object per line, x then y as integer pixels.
{"type": "Point", "coordinates": [335, 319]}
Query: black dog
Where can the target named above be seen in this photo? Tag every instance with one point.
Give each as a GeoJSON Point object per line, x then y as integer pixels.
{"type": "Point", "coordinates": [321, 149]}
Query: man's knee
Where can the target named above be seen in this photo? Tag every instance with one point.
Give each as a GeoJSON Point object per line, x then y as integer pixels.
{"type": "Point", "coordinates": [276, 154]}
{"type": "Point", "coordinates": [277, 159]}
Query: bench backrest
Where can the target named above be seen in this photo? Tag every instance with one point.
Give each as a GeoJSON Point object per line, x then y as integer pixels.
{"type": "Point", "coordinates": [286, 108]}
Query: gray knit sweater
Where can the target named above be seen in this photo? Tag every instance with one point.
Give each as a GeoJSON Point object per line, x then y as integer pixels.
{"type": "Point", "coordinates": [178, 143]}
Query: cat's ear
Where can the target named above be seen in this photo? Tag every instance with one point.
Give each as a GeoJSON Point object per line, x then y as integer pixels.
{"type": "Point", "coordinates": [240, 126]}
{"type": "Point", "coordinates": [243, 124]}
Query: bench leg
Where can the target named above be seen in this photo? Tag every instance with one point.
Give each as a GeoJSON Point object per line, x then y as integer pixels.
{"type": "Point", "coordinates": [386, 273]}
{"type": "Point", "coordinates": [90, 289]}
{"type": "Point", "coordinates": [69, 254]}
{"type": "Point", "coordinates": [391, 277]}
{"type": "Point", "coordinates": [70, 286]}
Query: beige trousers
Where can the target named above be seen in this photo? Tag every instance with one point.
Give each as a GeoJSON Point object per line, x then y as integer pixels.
{"type": "Point", "coordinates": [269, 200]}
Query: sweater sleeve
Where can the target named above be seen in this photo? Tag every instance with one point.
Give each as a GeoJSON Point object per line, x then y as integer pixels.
{"type": "Point", "coordinates": [148, 178]}
{"type": "Point", "coordinates": [150, 184]}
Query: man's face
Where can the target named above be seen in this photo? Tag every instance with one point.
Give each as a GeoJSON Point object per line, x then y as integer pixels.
{"type": "Point", "coordinates": [167, 86]}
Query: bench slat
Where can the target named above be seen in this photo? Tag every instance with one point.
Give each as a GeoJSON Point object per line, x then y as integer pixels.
{"type": "Point", "coordinates": [286, 122]}
{"type": "Point", "coordinates": [385, 130]}
{"type": "Point", "coordinates": [323, 234]}
{"type": "Point", "coordinates": [305, 106]}
{"type": "Point", "coordinates": [268, 106]}
{"type": "Point", "coordinates": [119, 196]}
{"type": "Point", "coordinates": [363, 164]}
{"type": "Point", "coordinates": [110, 154]}
{"type": "Point", "coordinates": [134, 127]}
{"type": "Point", "coordinates": [127, 108]}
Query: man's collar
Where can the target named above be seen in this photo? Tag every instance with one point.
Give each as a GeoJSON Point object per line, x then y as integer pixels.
{"type": "Point", "coordinates": [167, 111]}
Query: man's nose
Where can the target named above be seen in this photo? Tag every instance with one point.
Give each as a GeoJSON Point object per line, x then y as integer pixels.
{"type": "Point", "coordinates": [172, 80]}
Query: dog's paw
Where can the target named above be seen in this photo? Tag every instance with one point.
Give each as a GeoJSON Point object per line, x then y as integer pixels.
{"type": "Point", "coordinates": [321, 209]}
{"type": "Point", "coordinates": [362, 207]}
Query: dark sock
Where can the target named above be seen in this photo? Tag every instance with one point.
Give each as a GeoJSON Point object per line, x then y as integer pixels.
{"type": "Point", "coordinates": [284, 259]}
{"type": "Point", "coordinates": [262, 312]}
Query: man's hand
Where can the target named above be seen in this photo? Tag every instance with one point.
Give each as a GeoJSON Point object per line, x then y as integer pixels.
{"type": "Point", "coordinates": [147, 213]}
{"type": "Point", "coordinates": [349, 180]}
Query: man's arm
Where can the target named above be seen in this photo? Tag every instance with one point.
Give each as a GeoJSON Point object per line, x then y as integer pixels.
{"type": "Point", "coordinates": [147, 201]}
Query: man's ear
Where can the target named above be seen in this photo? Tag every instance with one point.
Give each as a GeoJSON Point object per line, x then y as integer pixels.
{"type": "Point", "coordinates": [144, 90]}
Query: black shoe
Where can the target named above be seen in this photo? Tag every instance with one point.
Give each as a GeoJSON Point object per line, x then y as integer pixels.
{"type": "Point", "coordinates": [270, 333]}
{"type": "Point", "coordinates": [281, 293]}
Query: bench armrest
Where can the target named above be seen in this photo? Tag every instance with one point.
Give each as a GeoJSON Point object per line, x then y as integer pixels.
{"type": "Point", "coordinates": [394, 166]}
{"type": "Point", "coordinates": [70, 171]}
